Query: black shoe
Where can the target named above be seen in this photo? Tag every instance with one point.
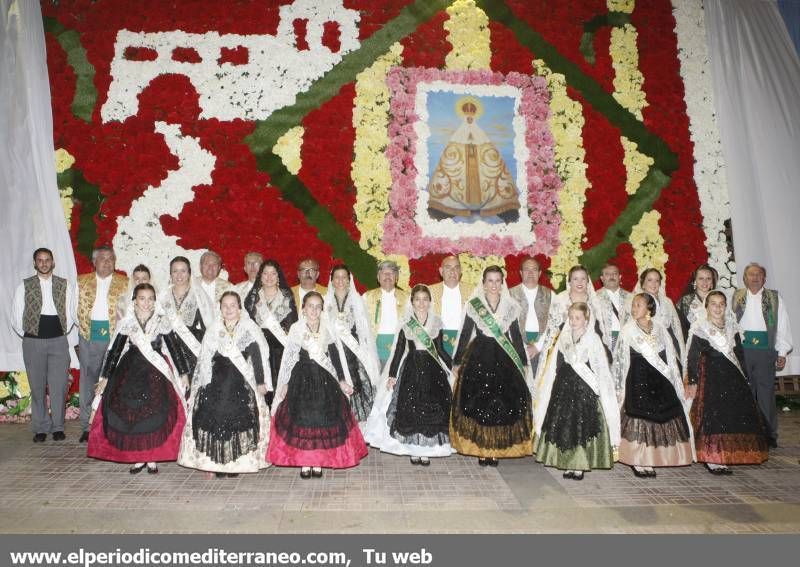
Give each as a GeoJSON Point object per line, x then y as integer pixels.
{"type": "Point", "coordinates": [84, 437]}
{"type": "Point", "coordinates": [59, 436]}
{"type": "Point", "coordinates": [220, 475]}
{"type": "Point", "coordinates": [425, 462]}
{"type": "Point", "coordinates": [152, 470]}
{"type": "Point", "coordinates": [414, 460]}
{"type": "Point", "coordinates": [773, 443]}
{"type": "Point", "coordinates": [305, 473]}
{"type": "Point", "coordinates": [640, 474]}
{"type": "Point", "coordinates": [316, 472]}
{"type": "Point", "coordinates": [40, 438]}
{"type": "Point", "coordinates": [493, 462]}
{"type": "Point", "coordinates": [136, 469]}
{"type": "Point", "coordinates": [568, 474]}
{"type": "Point", "coordinates": [651, 473]}
{"type": "Point", "coordinates": [578, 475]}
{"type": "Point", "coordinates": [233, 475]}
{"type": "Point", "coordinates": [483, 462]}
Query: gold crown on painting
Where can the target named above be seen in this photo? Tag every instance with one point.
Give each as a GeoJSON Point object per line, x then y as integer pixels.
{"type": "Point", "coordinates": [469, 108]}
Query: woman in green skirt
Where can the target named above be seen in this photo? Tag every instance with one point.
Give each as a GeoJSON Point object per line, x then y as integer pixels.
{"type": "Point", "coordinates": [580, 428]}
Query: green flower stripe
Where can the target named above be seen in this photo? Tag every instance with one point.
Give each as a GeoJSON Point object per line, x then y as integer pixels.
{"type": "Point", "coordinates": [90, 198]}
{"type": "Point", "coordinates": [85, 98]}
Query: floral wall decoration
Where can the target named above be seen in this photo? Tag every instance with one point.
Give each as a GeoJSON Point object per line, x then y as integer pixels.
{"type": "Point", "coordinates": [324, 127]}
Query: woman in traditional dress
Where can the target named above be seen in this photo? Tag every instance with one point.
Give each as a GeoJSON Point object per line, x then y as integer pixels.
{"type": "Point", "coordinates": [728, 426]}
{"type": "Point", "coordinates": [140, 413]}
{"type": "Point", "coordinates": [189, 310]}
{"type": "Point", "coordinates": [411, 415]}
{"type": "Point", "coordinates": [666, 315]}
{"type": "Point", "coordinates": [491, 412]}
{"type": "Point", "coordinates": [313, 426]}
{"type": "Point", "coordinates": [140, 275]}
{"type": "Point", "coordinates": [691, 306]}
{"type": "Point", "coordinates": [270, 303]}
{"type": "Point", "coordinates": [228, 427]}
{"type": "Point", "coordinates": [655, 430]}
{"type": "Point", "coordinates": [580, 427]}
{"type": "Point", "coordinates": [579, 289]}
{"type": "Point", "coordinates": [347, 318]}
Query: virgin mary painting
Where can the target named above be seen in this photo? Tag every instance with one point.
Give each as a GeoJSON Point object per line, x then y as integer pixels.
{"type": "Point", "coordinates": [471, 177]}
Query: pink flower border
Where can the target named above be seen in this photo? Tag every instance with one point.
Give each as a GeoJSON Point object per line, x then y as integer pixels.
{"type": "Point", "coordinates": [402, 235]}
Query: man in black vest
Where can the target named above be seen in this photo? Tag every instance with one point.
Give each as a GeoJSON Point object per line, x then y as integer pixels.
{"type": "Point", "coordinates": [761, 313]}
{"type": "Point", "coordinates": [43, 313]}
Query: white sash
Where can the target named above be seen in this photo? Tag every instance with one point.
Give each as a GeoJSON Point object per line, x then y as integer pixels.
{"type": "Point", "coordinates": [270, 322]}
{"type": "Point", "coordinates": [142, 341]}
{"type": "Point", "coordinates": [183, 332]}
{"type": "Point", "coordinates": [318, 353]}
{"type": "Point", "coordinates": [347, 339]}
{"type": "Point", "coordinates": [720, 341]}
{"type": "Point", "coordinates": [587, 375]}
{"type": "Point", "coordinates": [650, 355]}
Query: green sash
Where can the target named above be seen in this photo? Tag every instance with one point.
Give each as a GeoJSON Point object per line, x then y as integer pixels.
{"type": "Point", "coordinates": [498, 335]}
{"type": "Point", "coordinates": [423, 336]}
{"type": "Point", "coordinates": [99, 331]}
{"type": "Point", "coordinates": [757, 340]}
{"type": "Point", "coordinates": [449, 337]}
{"type": "Point", "coordinates": [531, 336]}
{"type": "Point", "coordinates": [384, 344]}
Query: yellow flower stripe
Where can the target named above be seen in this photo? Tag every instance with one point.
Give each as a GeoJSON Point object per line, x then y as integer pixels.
{"type": "Point", "coordinates": [66, 203]}
{"type": "Point", "coordinates": [621, 6]}
{"type": "Point", "coordinates": [371, 172]}
{"type": "Point", "coordinates": [648, 244]}
{"type": "Point", "coordinates": [64, 160]}
{"type": "Point", "coordinates": [288, 149]}
{"type": "Point", "coordinates": [566, 124]}
{"type": "Point", "coordinates": [646, 239]}
{"type": "Point", "coordinates": [468, 33]}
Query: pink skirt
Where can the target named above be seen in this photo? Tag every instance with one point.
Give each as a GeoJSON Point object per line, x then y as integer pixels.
{"type": "Point", "coordinates": [347, 455]}
{"type": "Point", "coordinates": [100, 448]}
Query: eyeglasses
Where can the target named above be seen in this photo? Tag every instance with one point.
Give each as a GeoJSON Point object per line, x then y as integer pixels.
{"type": "Point", "coordinates": [307, 270]}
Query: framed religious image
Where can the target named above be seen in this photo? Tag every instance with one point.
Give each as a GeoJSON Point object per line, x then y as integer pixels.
{"type": "Point", "coordinates": [472, 164]}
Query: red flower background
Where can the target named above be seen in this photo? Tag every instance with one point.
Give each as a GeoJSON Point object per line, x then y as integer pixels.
{"type": "Point", "coordinates": [240, 211]}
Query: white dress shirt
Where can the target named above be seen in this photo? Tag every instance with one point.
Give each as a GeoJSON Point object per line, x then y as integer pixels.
{"type": "Point", "coordinates": [100, 305]}
{"type": "Point", "coordinates": [210, 289]}
{"type": "Point", "coordinates": [389, 319]}
{"type": "Point", "coordinates": [531, 320]}
{"type": "Point", "coordinates": [451, 307]}
{"type": "Point", "coordinates": [753, 320]}
{"type": "Point", "coordinates": [48, 305]}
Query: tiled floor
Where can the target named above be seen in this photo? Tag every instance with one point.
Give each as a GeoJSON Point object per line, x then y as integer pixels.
{"type": "Point", "coordinates": [53, 487]}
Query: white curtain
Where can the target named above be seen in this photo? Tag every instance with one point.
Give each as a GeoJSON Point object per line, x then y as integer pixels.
{"type": "Point", "coordinates": [31, 215]}
{"type": "Point", "coordinates": [756, 74]}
